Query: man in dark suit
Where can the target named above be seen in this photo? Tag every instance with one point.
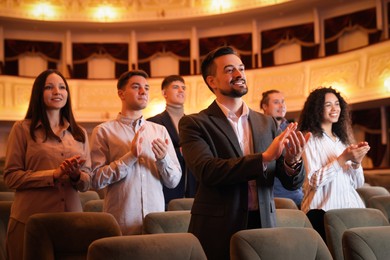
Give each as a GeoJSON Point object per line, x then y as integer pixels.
{"type": "Point", "coordinates": [174, 91]}
{"type": "Point", "coordinates": [235, 152]}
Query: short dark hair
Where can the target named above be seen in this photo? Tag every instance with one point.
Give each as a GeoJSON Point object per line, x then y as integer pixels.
{"type": "Point", "coordinates": [265, 98]}
{"type": "Point", "coordinates": [169, 79]}
{"type": "Point", "coordinates": [124, 78]}
{"type": "Point", "coordinates": [208, 66]}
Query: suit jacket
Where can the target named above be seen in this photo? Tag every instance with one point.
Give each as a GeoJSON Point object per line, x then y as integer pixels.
{"type": "Point", "coordinates": [212, 152]}
{"type": "Point", "coordinates": [178, 192]}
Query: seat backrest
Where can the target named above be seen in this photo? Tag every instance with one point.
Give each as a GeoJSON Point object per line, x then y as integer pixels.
{"type": "Point", "coordinates": [94, 206]}
{"type": "Point", "coordinates": [285, 203]}
{"type": "Point", "coordinates": [66, 235]}
{"type": "Point", "coordinates": [278, 243]}
{"type": "Point", "coordinates": [5, 211]}
{"type": "Point", "coordinates": [87, 196]}
{"type": "Point", "coordinates": [337, 221]}
{"type": "Point", "coordinates": [7, 195]}
{"type": "Point", "coordinates": [180, 204]}
{"type": "Point", "coordinates": [382, 203]}
{"type": "Point", "coordinates": [366, 243]}
{"type": "Point", "coordinates": [179, 246]}
{"type": "Point", "coordinates": [3, 186]}
{"type": "Point", "coordinates": [167, 222]}
{"type": "Point", "coordinates": [292, 218]}
{"type": "Point", "coordinates": [367, 192]}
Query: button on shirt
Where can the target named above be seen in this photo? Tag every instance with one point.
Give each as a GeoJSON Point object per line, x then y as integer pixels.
{"type": "Point", "coordinates": [243, 132]}
{"type": "Point", "coordinates": [134, 185]}
{"type": "Point", "coordinates": [329, 185]}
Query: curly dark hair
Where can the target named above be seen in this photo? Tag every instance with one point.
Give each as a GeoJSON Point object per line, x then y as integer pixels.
{"type": "Point", "coordinates": [36, 111]}
{"type": "Point", "coordinates": [313, 114]}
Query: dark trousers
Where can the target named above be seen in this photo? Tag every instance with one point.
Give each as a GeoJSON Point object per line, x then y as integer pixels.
{"type": "Point", "coordinates": [316, 217]}
{"type": "Point", "coordinates": [253, 219]}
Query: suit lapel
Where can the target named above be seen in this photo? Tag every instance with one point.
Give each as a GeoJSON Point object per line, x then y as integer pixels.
{"type": "Point", "coordinates": [167, 122]}
{"type": "Point", "coordinates": [255, 124]}
{"type": "Point", "coordinates": [222, 123]}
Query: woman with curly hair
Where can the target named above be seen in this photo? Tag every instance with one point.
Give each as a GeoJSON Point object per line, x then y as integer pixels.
{"type": "Point", "coordinates": [332, 159]}
{"type": "Point", "coordinates": [47, 159]}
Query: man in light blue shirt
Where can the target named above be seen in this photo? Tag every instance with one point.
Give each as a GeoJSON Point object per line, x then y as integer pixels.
{"type": "Point", "coordinates": [272, 103]}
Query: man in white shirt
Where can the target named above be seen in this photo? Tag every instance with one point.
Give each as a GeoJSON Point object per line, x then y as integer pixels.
{"type": "Point", "coordinates": [132, 158]}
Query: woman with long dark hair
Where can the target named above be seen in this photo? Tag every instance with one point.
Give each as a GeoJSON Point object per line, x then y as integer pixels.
{"type": "Point", "coordinates": [332, 159]}
{"type": "Point", "coordinates": [47, 159]}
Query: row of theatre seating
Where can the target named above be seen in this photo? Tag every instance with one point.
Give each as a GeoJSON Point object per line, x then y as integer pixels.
{"type": "Point", "coordinates": [92, 234]}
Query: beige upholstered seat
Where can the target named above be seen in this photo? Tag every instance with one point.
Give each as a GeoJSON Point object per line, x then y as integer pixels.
{"type": "Point", "coordinates": [278, 244]}
{"type": "Point", "coordinates": [5, 210]}
{"type": "Point", "coordinates": [368, 243]}
{"type": "Point", "coordinates": [167, 222]}
{"type": "Point", "coordinates": [337, 221]}
{"type": "Point", "coordinates": [285, 203]}
{"type": "Point", "coordinates": [180, 204]}
{"type": "Point", "coordinates": [4, 187]}
{"type": "Point", "coordinates": [66, 235]}
{"type": "Point", "coordinates": [87, 196]}
{"type": "Point", "coordinates": [94, 206]}
{"type": "Point", "coordinates": [7, 195]}
{"type": "Point", "coordinates": [183, 246]}
{"type": "Point", "coordinates": [367, 192]}
{"type": "Point", "coordinates": [382, 203]}
{"type": "Point", "coordinates": [292, 218]}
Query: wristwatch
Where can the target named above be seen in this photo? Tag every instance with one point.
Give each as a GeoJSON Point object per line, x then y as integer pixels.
{"type": "Point", "coordinates": [295, 164]}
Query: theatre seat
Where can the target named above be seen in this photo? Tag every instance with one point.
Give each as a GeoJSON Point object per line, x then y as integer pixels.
{"type": "Point", "coordinates": [167, 222]}
{"type": "Point", "coordinates": [87, 196]}
{"type": "Point", "coordinates": [382, 203]}
{"type": "Point", "coordinates": [180, 204]}
{"type": "Point", "coordinates": [292, 218]}
{"type": "Point", "coordinates": [337, 221]}
{"type": "Point", "coordinates": [7, 195]}
{"type": "Point", "coordinates": [368, 243]}
{"type": "Point", "coordinates": [285, 203]}
{"type": "Point", "coordinates": [367, 192]}
{"type": "Point", "coordinates": [66, 235]}
{"type": "Point", "coordinates": [278, 243]}
{"type": "Point", "coordinates": [93, 206]}
{"type": "Point", "coordinates": [180, 246]}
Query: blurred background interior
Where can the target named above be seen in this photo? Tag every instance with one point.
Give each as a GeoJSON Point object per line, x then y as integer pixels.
{"type": "Point", "coordinates": [290, 45]}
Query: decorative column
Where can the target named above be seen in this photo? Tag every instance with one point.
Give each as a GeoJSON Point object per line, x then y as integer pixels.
{"type": "Point", "coordinates": [194, 52]}
{"type": "Point", "coordinates": [67, 61]}
{"type": "Point", "coordinates": [133, 51]}
{"type": "Point", "coordinates": [255, 45]}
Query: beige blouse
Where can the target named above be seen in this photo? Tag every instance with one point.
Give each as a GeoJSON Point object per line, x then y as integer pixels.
{"type": "Point", "coordinates": [29, 168]}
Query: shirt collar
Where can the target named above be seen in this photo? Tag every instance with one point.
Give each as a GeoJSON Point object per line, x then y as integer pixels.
{"type": "Point", "coordinates": [230, 114]}
{"type": "Point", "coordinates": [131, 122]}
{"type": "Point", "coordinates": [66, 123]}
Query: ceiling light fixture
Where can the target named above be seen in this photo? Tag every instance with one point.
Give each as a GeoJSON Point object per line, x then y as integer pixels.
{"type": "Point", "coordinates": [43, 10]}
{"type": "Point", "coordinates": [105, 13]}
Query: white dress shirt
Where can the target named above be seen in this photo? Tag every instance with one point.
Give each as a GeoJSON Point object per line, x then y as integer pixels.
{"type": "Point", "coordinates": [134, 185]}
{"type": "Point", "coordinates": [329, 185]}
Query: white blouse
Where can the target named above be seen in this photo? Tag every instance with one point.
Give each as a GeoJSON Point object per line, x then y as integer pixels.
{"type": "Point", "coordinates": [329, 185]}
